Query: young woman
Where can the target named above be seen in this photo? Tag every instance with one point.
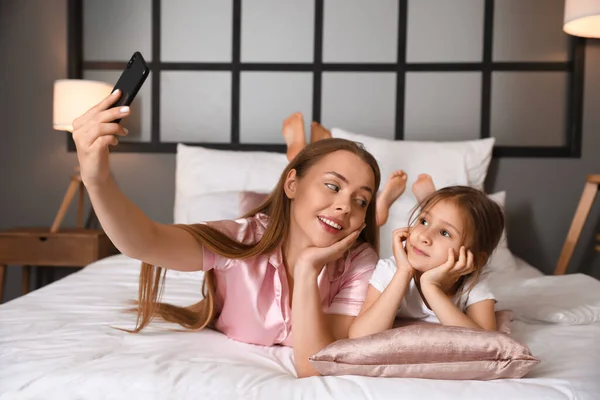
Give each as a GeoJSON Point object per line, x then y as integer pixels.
{"type": "Point", "coordinates": [301, 260]}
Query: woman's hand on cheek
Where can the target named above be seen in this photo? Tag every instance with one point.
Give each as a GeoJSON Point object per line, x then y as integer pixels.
{"type": "Point", "coordinates": [313, 259]}
{"type": "Point", "coordinates": [446, 275]}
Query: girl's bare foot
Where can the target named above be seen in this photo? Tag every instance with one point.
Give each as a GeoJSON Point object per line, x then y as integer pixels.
{"type": "Point", "coordinates": [318, 132]}
{"type": "Point", "coordinates": [423, 187]}
{"type": "Point", "coordinates": [393, 188]}
{"type": "Point", "coordinates": [293, 132]}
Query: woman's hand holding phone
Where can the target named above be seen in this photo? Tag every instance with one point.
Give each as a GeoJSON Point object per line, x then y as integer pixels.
{"type": "Point", "coordinates": [93, 132]}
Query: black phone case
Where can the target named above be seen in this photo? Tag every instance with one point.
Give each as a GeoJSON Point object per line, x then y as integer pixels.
{"type": "Point", "coordinates": [131, 80]}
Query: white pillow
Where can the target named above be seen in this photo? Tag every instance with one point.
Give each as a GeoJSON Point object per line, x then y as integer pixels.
{"type": "Point", "coordinates": [448, 163]}
{"type": "Point", "coordinates": [502, 259]}
{"type": "Point", "coordinates": [200, 171]}
{"type": "Point", "coordinates": [565, 299]}
{"type": "Point", "coordinates": [211, 207]}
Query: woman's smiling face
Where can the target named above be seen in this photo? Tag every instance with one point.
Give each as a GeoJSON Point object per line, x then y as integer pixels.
{"type": "Point", "coordinates": [330, 201]}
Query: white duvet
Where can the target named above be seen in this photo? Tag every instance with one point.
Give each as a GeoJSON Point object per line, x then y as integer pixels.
{"type": "Point", "coordinates": [566, 300]}
{"type": "Point", "coordinates": [58, 343]}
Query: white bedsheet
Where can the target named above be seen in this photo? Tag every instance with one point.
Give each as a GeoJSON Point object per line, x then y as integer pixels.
{"type": "Point", "coordinates": [57, 343]}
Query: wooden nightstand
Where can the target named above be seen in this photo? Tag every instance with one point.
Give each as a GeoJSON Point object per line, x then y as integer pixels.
{"type": "Point", "coordinates": [76, 247]}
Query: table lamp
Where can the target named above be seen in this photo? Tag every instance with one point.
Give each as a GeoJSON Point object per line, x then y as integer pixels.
{"type": "Point", "coordinates": [582, 18]}
{"type": "Point", "coordinates": [72, 98]}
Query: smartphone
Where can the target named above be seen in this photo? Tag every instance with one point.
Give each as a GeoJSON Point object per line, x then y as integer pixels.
{"type": "Point", "coordinates": [131, 80]}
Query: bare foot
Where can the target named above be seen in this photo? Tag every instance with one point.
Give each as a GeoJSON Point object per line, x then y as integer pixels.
{"type": "Point", "coordinates": [293, 132]}
{"type": "Point", "coordinates": [318, 132]}
{"type": "Point", "coordinates": [393, 188]}
{"type": "Point", "coordinates": [423, 187]}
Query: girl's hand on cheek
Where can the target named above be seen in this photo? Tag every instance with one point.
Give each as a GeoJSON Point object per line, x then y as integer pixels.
{"type": "Point", "coordinates": [313, 259]}
{"type": "Point", "coordinates": [399, 237]}
{"type": "Point", "coordinates": [446, 275]}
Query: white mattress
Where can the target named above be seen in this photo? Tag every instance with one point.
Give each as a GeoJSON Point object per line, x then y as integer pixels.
{"type": "Point", "coordinates": [57, 343]}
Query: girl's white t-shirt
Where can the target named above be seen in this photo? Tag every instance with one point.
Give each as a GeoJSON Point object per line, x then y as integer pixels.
{"type": "Point", "coordinates": [413, 305]}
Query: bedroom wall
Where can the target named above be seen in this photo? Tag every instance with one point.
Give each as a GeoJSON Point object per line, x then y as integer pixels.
{"type": "Point", "coordinates": [35, 166]}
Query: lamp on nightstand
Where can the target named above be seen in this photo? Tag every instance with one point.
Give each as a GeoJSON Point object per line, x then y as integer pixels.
{"type": "Point", "coordinates": [72, 98]}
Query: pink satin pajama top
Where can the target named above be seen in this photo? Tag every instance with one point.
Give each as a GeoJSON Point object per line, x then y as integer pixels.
{"type": "Point", "coordinates": [253, 297]}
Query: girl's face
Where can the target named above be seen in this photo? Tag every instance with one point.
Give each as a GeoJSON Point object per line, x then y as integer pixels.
{"type": "Point", "coordinates": [434, 232]}
{"type": "Point", "coordinates": [330, 201]}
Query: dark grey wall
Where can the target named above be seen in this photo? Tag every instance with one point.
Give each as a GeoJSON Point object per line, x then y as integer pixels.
{"type": "Point", "coordinates": [542, 194]}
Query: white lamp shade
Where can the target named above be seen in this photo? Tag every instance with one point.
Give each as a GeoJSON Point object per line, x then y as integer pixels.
{"type": "Point", "coordinates": [582, 18]}
{"type": "Point", "coordinates": [73, 97]}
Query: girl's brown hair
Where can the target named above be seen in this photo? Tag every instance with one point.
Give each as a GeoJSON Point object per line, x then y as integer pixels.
{"type": "Point", "coordinates": [483, 220]}
{"type": "Point", "coordinates": [277, 207]}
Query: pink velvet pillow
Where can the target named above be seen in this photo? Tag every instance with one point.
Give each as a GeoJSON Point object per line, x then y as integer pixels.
{"type": "Point", "coordinates": [251, 200]}
{"type": "Point", "coordinates": [431, 351]}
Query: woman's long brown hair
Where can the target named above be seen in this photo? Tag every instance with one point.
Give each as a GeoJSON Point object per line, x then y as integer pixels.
{"type": "Point", "coordinates": [277, 207]}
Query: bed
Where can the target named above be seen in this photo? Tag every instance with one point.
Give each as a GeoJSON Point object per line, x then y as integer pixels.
{"type": "Point", "coordinates": [61, 341]}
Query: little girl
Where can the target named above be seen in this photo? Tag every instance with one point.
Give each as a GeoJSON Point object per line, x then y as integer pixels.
{"type": "Point", "coordinates": [434, 273]}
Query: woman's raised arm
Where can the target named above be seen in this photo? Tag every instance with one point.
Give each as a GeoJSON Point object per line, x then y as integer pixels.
{"type": "Point", "coordinates": [130, 230]}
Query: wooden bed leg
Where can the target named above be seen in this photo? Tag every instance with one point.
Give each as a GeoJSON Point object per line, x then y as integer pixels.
{"type": "Point", "coordinates": [585, 204]}
{"type": "Point", "coordinates": [2, 273]}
